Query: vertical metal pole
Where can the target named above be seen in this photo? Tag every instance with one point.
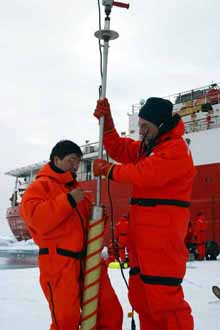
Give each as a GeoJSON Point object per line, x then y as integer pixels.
{"type": "Point", "coordinates": [101, 122]}
{"type": "Point", "coordinates": [92, 270]}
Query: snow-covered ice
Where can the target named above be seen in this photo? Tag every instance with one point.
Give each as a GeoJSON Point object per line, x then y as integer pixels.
{"type": "Point", "coordinates": [23, 306]}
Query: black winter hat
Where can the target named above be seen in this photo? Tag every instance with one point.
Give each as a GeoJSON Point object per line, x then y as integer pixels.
{"type": "Point", "coordinates": [156, 110]}
{"type": "Point", "coordinates": [64, 148]}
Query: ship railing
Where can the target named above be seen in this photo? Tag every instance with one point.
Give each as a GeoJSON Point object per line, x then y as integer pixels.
{"type": "Point", "coordinates": [201, 124]}
{"type": "Point", "coordinates": [206, 94]}
{"type": "Point", "coordinates": [201, 98]}
{"type": "Point", "coordinates": [198, 93]}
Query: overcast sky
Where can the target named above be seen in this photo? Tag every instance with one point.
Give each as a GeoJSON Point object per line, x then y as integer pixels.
{"type": "Point", "coordinates": [49, 66]}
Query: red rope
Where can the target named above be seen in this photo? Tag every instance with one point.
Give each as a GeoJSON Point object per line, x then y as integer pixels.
{"type": "Point", "coordinates": [91, 284]}
{"type": "Point", "coordinates": [95, 238]}
{"type": "Point", "coordinates": [90, 315]}
{"type": "Point", "coordinates": [93, 268]}
{"type": "Point", "coordinates": [91, 299]}
{"type": "Point", "coordinates": [96, 223]}
{"type": "Point", "coordinates": [93, 254]}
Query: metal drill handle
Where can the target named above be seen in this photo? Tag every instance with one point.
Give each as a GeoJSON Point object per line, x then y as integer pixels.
{"type": "Point", "coordinates": [121, 4]}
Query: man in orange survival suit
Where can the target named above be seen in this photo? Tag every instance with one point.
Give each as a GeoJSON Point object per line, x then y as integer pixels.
{"type": "Point", "coordinates": [121, 235]}
{"type": "Point", "coordinates": [199, 232]}
{"type": "Point", "coordinates": [161, 170]}
{"type": "Point", "coordinates": [56, 211]}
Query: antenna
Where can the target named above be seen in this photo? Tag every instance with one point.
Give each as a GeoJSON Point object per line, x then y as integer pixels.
{"type": "Point", "coordinates": [106, 35]}
{"type": "Point", "coordinates": [96, 223]}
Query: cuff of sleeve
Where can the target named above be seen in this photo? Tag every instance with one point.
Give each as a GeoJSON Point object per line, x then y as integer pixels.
{"type": "Point", "coordinates": [110, 173]}
{"type": "Point", "coordinates": [71, 200]}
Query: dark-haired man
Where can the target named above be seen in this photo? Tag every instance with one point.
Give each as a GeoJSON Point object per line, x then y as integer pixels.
{"type": "Point", "coordinates": [56, 211]}
{"type": "Point", "coordinates": [161, 171]}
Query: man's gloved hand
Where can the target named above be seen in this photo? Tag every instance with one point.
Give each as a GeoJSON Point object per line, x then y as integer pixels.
{"type": "Point", "coordinates": [101, 167]}
{"type": "Point", "coordinates": [75, 196]}
{"type": "Point", "coordinates": [103, 109]}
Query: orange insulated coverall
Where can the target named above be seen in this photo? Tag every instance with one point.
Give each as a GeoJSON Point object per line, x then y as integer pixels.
{"type": "Point", "coordinates": [159, 216]}
{"type": "Point", "coordinates": [60, 232]}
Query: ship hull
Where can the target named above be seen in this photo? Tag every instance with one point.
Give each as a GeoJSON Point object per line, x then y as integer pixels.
{"type": "Point", "coordinates": [16, 224]}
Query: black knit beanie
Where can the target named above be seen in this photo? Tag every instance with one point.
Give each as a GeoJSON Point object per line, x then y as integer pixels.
{"type": "Point", "coordinates": [64, 148]}
{"type": "Point", "coordinates": [156, 110]}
